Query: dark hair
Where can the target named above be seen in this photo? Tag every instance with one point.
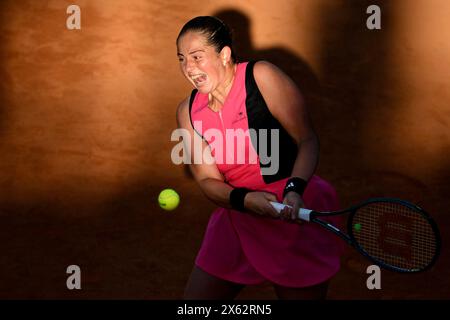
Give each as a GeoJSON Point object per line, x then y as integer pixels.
{"type": "Point", "coordinates": [217, 33]}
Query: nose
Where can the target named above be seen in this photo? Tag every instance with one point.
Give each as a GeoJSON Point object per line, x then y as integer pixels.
{"type": "Point", "coordinates": [189, 65]}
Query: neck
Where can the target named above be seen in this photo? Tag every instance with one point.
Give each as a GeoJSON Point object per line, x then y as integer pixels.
{"type": "Point", "coordinates": [218, 96]}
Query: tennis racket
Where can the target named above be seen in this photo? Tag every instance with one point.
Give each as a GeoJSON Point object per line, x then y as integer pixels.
{"type": "Point", "coordinates": [392, 233]}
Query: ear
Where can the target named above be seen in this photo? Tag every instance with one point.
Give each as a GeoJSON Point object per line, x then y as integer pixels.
{"type": "Point", "coordinates": [225, 55]}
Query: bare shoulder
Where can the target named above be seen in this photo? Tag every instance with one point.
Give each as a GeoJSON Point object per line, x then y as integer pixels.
{"type": "Point", "coordinates": [265, 71]}
{"type": "Point", "coordinates": [183, 106]}
{"type": "Point", "coordinates": [273, 82]}
{"type": "Point", "coordinates": [281, 94]}
{"type": "Point", "coordinates": [265, 66]}
{"type": "Point", "coordinates": [183, 112]}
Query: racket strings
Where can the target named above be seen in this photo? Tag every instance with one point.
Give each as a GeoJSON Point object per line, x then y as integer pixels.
{"type": "Point", "coordinates": [395, 234]}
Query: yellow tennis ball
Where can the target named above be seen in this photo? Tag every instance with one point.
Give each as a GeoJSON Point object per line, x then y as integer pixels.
{"type": "Point", "coordinates": [168, 199]}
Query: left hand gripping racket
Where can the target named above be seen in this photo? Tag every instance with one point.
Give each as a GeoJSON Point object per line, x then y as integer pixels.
{"type": "Point", "coordinates": [392, 233]}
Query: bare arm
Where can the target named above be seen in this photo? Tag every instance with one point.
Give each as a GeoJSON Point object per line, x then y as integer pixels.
{"type": "Point", "coordinates": [207, 176]}
{"type": "Point", "coordinates": [286, 104]}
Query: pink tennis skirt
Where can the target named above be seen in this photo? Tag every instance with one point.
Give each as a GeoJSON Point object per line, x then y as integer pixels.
{"type": "Point", "coordinates": [249, 249]}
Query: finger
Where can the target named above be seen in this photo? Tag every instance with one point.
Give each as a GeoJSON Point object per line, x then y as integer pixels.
{"type": "Point", "coordinates": [295, 207]}
{"type": "Point", "coordinates": [294, 212]}
{"type": "Point", "coordinates": [287, 209]}
{"type": "Point", "coordinates": [284, 213]}
{"type": "Point", "coordinates": [287, 212]}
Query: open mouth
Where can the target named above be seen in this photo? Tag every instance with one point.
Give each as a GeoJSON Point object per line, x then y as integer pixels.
{"type": "Point", "coordinates": [199, 79]}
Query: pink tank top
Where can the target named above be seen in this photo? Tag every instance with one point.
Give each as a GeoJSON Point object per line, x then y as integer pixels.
{"type": "Point", "coordinates": [238, 130]}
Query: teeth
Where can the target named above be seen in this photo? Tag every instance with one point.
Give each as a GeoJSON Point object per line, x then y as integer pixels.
{"type": "Point", "coordinates": [196, 76]}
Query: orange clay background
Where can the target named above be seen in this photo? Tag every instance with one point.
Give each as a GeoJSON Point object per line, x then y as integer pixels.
{"type": "Point", "coordinates": [86, 117]}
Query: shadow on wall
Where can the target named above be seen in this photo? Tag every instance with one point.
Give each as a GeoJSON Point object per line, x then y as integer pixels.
{"type": "Point", "coordinates": [359, 94]}
{"type": "Point", "coordinates": [354, 64]}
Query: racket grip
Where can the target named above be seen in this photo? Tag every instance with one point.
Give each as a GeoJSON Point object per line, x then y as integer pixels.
{"type": "Point", "coordinates": [302, 213]}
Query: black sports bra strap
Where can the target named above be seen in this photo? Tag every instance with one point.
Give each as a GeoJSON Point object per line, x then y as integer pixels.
{"type": "Point", "coordinates": [191, 101]}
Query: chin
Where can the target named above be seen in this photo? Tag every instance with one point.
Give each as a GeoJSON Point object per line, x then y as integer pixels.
{"type": "Point", "coordinates": [203, 89]}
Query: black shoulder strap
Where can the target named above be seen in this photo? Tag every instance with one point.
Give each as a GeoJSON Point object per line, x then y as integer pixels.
{"type": "Point", "coordinates": [250, 82]}
{"type": "Point", "coordinates": [191, 101]}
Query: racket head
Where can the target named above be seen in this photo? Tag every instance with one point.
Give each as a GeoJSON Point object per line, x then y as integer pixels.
{"type": "Point", "coordinates": [395, 234]}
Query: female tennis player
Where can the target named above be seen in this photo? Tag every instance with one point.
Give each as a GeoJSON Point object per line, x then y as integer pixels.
{"type": "Point", "coordinates": [247, 242]}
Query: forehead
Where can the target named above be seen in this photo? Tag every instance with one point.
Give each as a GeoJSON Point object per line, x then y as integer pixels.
{"type": "Point", "coordinates": [192, 40]}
